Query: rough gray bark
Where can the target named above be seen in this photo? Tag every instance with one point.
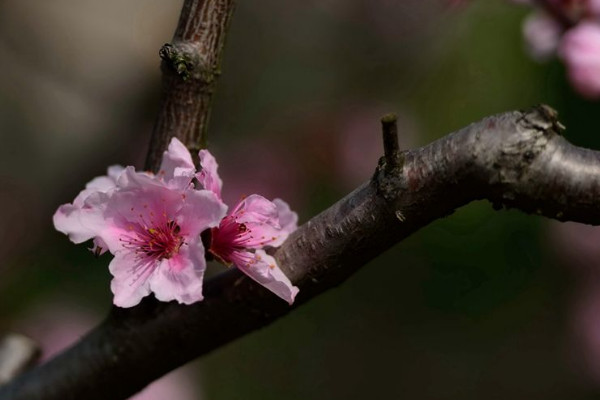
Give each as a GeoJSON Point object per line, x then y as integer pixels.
{"type": "Point", "coordinates": [190, 67]}
{"type": "Point", "coordinates": [517, 159]}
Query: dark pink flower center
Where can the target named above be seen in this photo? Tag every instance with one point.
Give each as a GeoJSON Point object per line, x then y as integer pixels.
{"type": "Point", "coordinates": [158, 242]}
{"type": "Point", "coordinates": [228, 237]}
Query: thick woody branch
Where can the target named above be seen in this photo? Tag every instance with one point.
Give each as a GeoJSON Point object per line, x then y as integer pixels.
{"type": "Point", "coordinates": [191, 67]}
{"type": "Point", "coordinates": [516, 159]}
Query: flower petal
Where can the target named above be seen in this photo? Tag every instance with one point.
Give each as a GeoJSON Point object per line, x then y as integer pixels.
{"type": "Point", "coordinates": [580, 50]}
{"type": "Point", "coordinates": [180, 277]}
{"type": "Point", "coordinates": [271, 222]}
{"type": "Point", "coordinates": [102, 184]}
{"type": "Point", "coordinates": [82, 224]}
{"type": "Point", "coordinates": [177, 162]}
{"type": "Point", "coordinates": [265, 271]}
{"type": "Point", "coordinates": [288, 220]}
{"type": "Point", "coordinates": [136, 208]}
{"type": "Point", "coordinates": [82, 220]}
{"type": "Point", "coordinates": [255, 209]}
{"type": "Point", "coordinates": [202, 209]}
{"type": "Point", "coordinates": [130, 179]}
{"type": "Point", "coordinates": [208, 175]}
{"type": "Point", "coordinates": [130, 278]}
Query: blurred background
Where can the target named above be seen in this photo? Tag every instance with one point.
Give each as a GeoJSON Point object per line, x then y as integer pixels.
{"type": "Point", "coordinates": [482, 304]}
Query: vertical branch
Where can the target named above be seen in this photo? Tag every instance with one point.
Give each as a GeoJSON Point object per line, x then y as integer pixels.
{"type": "Point", "coordinates": [190, 67]}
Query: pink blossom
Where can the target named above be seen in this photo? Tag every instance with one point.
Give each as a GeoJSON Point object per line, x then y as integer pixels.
{"type": "Point", "coordinates": [542, 34]}
{"type": "Point", "coordinates": [578, 247]}
{"type": "Point", "coordinates": [152, 225]}
{"type": "Point", "coordinates": [580, 49]}
{"type": "Point", "coordinates": [177, 168]}
{"type": "Point", "coordinates": [208, 176]}
{"type": "Point", "coordinates": [253, 224]}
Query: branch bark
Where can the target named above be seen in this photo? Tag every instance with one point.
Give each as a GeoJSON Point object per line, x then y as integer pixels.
{"type": "Point", "coordinates": [191, 67]}
{"type": "Point", "coordinates": [517, 159]}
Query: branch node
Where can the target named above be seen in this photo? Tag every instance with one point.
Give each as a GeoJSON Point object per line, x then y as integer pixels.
{"type": "Point", "coordinates": [391, 148]}
{"type": "Point", "coordinates": [186, 60]}
{"type": "Point", "coordinates": [547, 119]}
{"type": "Point", "coordinates": [177, 59]}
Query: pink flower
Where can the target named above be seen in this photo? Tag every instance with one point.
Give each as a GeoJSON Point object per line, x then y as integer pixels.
{"type": "Point", "coordinates": [152, 225]}
{"type": "Point", "coordinates": [580, 50]}
{"type": "Point", "coordinates": [542, 34]}
{"type": "Point", "coordinates": [254, 224]}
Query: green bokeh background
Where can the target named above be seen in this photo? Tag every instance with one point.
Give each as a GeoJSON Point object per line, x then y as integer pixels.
{"type": "Point", "coordinates": [473, 306]}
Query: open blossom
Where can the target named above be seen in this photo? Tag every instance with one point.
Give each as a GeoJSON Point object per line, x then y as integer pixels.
{"type": "Point", "coordinates": [151, 224]}
{"type": "Point", "coordinates": [253, 224]}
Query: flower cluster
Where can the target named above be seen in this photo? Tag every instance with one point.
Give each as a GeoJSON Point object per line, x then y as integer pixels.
{"type": "Point", "coordinates": [569, 29]}
{"type": "Point", "coordinates": [157, 227]}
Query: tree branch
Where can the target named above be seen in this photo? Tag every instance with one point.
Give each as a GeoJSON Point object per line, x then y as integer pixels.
{"type": "Point", "coordinates": [191, 67]}
{"type": "Point", "coordinates": [516, 159]}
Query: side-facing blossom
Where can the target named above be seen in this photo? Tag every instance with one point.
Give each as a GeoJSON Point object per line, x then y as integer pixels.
{"type": "Point", "coordinates": [254, 224]}
{"type": "Point", "coordinates": [151, 224]}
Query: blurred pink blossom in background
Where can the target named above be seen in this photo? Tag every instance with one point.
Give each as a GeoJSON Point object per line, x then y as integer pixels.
{"type": "Point", "coordinates": [571, 30]}
{"type": "Point", "coordinates": [542, 34]}
{"type": "Point", "coordinates": [580, 50]}
{"type": "Point", "coordinates": [578, 245]}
